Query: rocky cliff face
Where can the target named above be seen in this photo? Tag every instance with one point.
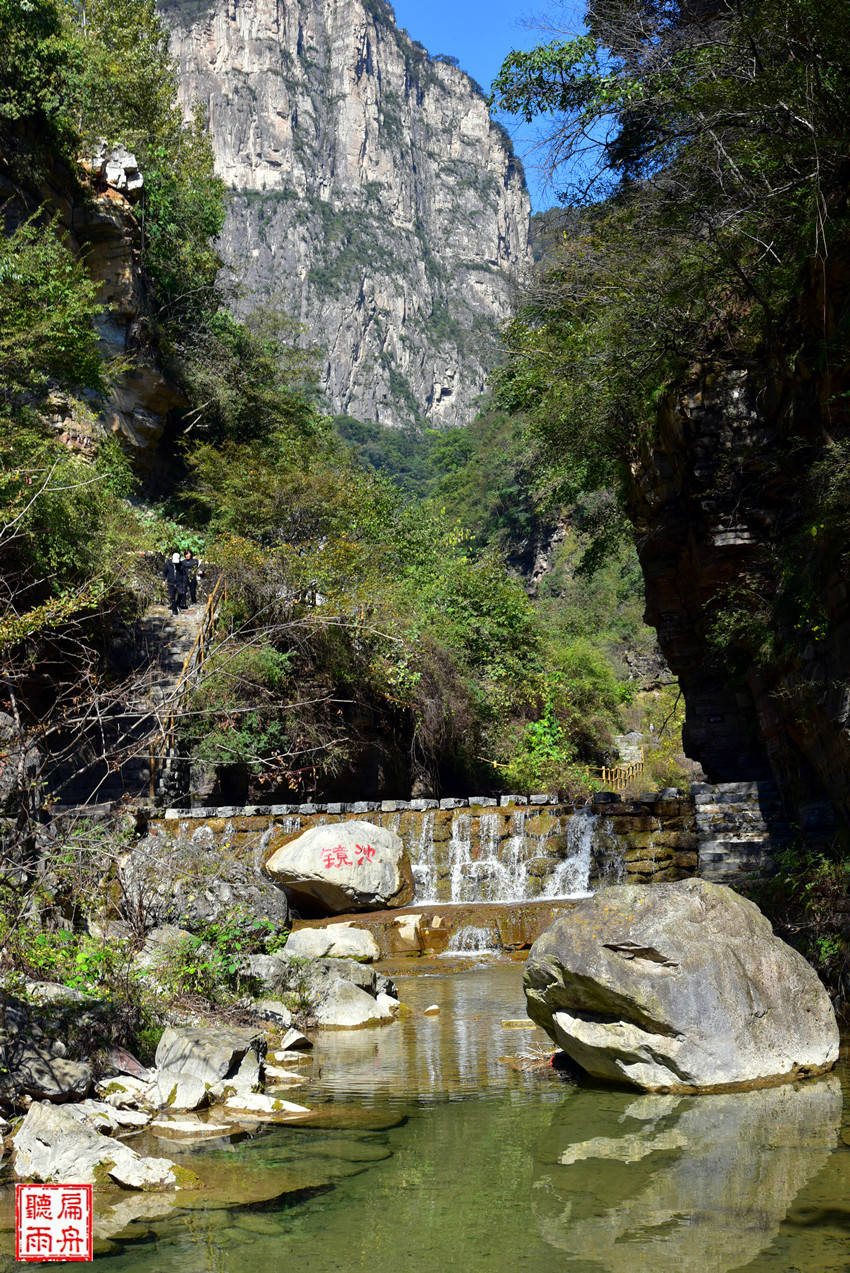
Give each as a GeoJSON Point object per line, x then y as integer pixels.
{"type": "Point", "coordinates": [740, 502]}
{"type": "Point", "coordinates": [375, 200]}
{"type": "Point", "coordinates": [100, 226]}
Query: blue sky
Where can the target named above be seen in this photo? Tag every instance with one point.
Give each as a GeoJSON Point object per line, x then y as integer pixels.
{"type": "Point", "coordinates": [479, 33]}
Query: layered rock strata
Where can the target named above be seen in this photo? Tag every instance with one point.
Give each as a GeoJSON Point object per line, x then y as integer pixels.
{"type": "Point", "coordinates": [679, 988]}
{"type": "Point", "coordinates": [739, 501]}
{"type": "Point", "coordinates": [375, 201]}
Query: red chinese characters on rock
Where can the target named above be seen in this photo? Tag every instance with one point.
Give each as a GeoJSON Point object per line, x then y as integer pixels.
{"type": "Point", "coordinates": [53, 1223]}
{"type": "Point", "coordinates": [338, 857]}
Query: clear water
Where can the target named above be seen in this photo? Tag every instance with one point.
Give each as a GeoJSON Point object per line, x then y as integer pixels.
{"type": "Point", "coordinates": [427, 1152]}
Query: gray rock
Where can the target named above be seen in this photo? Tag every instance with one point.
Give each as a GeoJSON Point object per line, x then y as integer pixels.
{"type": "Point", "coordinates": [105, 1117]}
{"type": "Point", "coordinates": [39, 1074]}
{"type": "Point", "coordinates": [269, 972]}
{"type": "Point", "coordinates": [118, 168]}
{"type": "Point", "coordinates": [52, 1145]}
{"type": "Point", "coordinates": [178, 1090]}
{"type": "Point", "coordinates": [125, 1091]}
{"type": "Point", "coordinates": [161, 944]}
{"type": "Point", "coordinates": [211, 1055]}
{"type": "Point", "coordinates": [20, 768]}
{"type": "Point", "coordinates": [343, 867]}
{"type": "Point", "coordinates": [339, 941]}
{"type": "Point", "coordinates": [272, 1010]}
{"type": "Point", "coordinates": [258, 1105]}
{"type": "Point", "coordinates": [194, 878]}
{"type": "Point", "coordinates": [295, 1041]}
{"type": "Point", "coordinates": [679, 987]}
{"type": "Point", "coordinates": [346, 1006]}
{"type": "Point", "coordinates": [459, 186]}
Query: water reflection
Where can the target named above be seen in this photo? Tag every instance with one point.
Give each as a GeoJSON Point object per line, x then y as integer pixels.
{"type": "Point", "coordinates": [679, 1184]}
{"type": "Point", "coordinates": [454, 1053]}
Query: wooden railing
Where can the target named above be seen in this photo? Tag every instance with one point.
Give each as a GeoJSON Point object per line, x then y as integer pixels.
{"type": "Point", "coordinates": [621, 777]}
{"type": "Point", "coordinates": [189, 675]}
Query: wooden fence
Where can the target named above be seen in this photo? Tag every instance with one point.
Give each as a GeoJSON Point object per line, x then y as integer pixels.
{"type": "Point", "coordinates": [621, 777]}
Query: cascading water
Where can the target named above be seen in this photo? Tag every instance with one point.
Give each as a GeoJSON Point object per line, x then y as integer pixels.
{"type": "Point", "coordinates": [500, 856]}
{"type": "Point", "coordinates": [472, 940]}
{"type": "Point", "coordinates": [571, 877]}
{"type": "Point", "coordinates": [460, 857]}
{"type": "Point", "coordinates": [424, 861]}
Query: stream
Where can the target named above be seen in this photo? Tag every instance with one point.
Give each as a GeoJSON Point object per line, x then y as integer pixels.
{"type": "Point", "coordinates": [428, 1152]}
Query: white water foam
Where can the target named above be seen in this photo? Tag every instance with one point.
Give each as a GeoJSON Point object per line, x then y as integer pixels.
{"type": "Point", "coordinates": [571, 877]}
{"type": "Point", "coordinates": [424, 862]}
{"type": "Point", "coordinates": [472, 940]}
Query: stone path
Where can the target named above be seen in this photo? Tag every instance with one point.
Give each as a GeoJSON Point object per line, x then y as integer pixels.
{"type": "Point", "coordinates": [112, 759]}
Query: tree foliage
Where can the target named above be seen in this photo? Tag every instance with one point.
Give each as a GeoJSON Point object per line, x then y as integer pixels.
{"type": "Point", "coordinates": [47, 307]}
{"type": "Point", "coordinates": [716, 138]}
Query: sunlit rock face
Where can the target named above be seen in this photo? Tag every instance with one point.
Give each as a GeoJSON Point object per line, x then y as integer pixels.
{"type": "Point", "coordinates": [375, 200]}
{"type": "Point", "coordinates": [679, 988]}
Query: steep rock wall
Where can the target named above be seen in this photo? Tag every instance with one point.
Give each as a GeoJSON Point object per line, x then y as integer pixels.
{"type": "Point", "coordinates": [100, 226]}
{"type": "Point", "coordinates": [745, 560]}
{"type": "Point", "coordinates": [375, 200]}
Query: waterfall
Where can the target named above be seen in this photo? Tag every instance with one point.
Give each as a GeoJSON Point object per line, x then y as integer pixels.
{"type": "Point", "coordinates": [571, 877]}
{"type": "Point", "coordinates": [499, 856]}
{"type": "Point", "coordinates": [460, 858]}
{"type": "Point", "coordinates": [471, 940]}
{"type": "Point", "coordinates": [424, 861]}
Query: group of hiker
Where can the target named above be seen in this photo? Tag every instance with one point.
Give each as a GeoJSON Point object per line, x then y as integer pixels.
{"type": "Point", "coordinates": [181, 579]}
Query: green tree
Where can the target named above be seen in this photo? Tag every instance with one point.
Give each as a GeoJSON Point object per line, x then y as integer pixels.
{"type": "Point", "coordinates": [47, 307]}
{"type": "Point", "coordinates": [35, 57]}
{"type": "Point", "coordinates": [718, 137]}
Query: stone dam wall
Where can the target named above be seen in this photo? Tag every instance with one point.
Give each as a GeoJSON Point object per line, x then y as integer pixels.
{"type": "Point", "coordinates": [491, 874]}
{"type": "Point", "coordinates": [482, 850]}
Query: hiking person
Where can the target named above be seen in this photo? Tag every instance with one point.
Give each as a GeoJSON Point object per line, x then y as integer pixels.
{"type": "Point", "coordinates": [182, 582]}
{"type": "Point", "coordinates": [190, 566]}
{"type": "Point", "coordinates": [175, 579]}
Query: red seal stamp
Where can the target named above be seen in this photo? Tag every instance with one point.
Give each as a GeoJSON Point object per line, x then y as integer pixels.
{"type": "Point", "coordinates": [53, 1223]}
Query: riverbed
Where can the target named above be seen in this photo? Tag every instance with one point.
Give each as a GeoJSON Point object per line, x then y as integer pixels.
{"type": "Point", "coordinates": [441, 1142]}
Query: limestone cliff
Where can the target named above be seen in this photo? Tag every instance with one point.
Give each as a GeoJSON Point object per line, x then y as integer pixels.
{"type": "Point", "coordinates": [100, 226]}
{"type": "Point", "coordinates": [375, 200]}
{"type": "Point", "coordinates": [740, 501]}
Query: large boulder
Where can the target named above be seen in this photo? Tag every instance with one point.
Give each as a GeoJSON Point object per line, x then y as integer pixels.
{"type": "Point", "coordinates": [34, 1047]}
{"type": "Point", "coordinates": [348, 866]}
{"type": "Point", "coordinates": [345, 1006]}
{"type": "Point", "coordinates": [52, 1144]}
{"type": "Point", "coordinates": [216, 1057]}
{"type": "Point", "coordinates": [678, 988]}
{"type": "Point", "coordinates": [338, 941]}
{"type": "Point", "coordinates": [197, 878]}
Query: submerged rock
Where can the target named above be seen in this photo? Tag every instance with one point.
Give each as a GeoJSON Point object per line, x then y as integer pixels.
{"type": "Point", "coordinates": [344, 867]}
{"type": "Point", "coordinates": [679, 987]}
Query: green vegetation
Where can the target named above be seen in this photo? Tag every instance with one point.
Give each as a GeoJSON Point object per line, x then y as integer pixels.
{"type": "Point", "coordinates": [721, 165]}
{"type": "Point", "coordinates": [369, 591]}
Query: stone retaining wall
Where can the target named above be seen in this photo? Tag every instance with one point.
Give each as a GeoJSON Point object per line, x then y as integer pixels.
{"type": "Point", "coordinates": [481, 849]}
